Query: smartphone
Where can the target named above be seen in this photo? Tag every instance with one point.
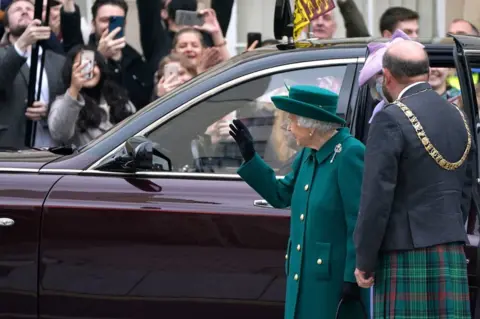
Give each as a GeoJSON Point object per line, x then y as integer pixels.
{"type": "Point", "coordinates": [88, 58]}
{"type": "Point", "coordinates": [170, 69]}
{"type": "Point", "coordinates": [188, 18]}
{"type": "Point", "coordinates": [252, 37]}
{"type": "Point", "coordinates": [115, 22]}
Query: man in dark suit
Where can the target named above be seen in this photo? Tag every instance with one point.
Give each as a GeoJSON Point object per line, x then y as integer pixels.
{"type": "Point", "coordinates": [22, 33]}
{"type": "Point", "coordinates": [410, 232]}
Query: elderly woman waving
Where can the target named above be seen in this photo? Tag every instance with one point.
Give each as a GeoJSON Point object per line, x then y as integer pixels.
{"type": "Point", "coordinates": [323, 191]}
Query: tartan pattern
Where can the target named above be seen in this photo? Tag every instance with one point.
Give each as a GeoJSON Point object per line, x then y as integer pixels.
{"type": "Point", "coordinates": [422, 284]}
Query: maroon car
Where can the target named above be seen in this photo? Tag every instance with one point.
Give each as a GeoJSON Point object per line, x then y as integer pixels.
{"type": "Point", "coordinates": [151, 220]}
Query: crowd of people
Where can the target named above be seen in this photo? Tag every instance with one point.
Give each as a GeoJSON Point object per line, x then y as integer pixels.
{"type": "Point", "coordinates": [73, 109]}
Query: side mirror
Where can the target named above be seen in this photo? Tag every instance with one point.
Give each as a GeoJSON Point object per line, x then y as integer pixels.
{"type": "Point", "coordinates": [140, 154]}
{"type": "Point", "coordinates": [140, 151]}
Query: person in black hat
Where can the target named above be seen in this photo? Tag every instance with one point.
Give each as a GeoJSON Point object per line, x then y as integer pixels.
{"type": "Point", "coordinates": [323, 191]}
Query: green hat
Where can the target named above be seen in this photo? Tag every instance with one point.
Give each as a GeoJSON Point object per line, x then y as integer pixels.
{"type": "Point", "coordinates": [311, 102]}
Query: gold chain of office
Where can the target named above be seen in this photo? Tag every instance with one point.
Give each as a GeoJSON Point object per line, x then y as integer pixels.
{"type": "Point", "coordinates": [431, 150]}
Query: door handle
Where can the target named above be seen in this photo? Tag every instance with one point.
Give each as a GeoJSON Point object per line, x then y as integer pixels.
{"type": "Point", "coordinates": [262, 203]}
{"type": "Point", "coordinates": [6, 222]}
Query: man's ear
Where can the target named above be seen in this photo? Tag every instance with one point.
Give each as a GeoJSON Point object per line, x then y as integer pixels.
{"type": "Point", "coordinates": [387, 75]}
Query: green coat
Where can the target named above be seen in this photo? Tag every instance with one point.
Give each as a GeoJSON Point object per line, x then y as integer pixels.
{"type": "Point", "coordinates": [324, 196]}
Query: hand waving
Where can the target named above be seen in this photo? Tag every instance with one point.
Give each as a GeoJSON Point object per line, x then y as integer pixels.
{"type": "Point", "coordinates": [211, 24]}
{"type": "Point", "coordinates": [243, 138]}
{"type": "Point", "coordinates": [210, 58]}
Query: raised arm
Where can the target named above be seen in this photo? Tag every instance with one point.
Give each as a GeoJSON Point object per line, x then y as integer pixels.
{"type": "Point", "coordinates": [71, 25]}
{"type": "Point", "coordinates": [354, 23]}
{"type": "Point", "coordinates": [259, 175]}
{"type": "Point", "coordinates": [154, 38]}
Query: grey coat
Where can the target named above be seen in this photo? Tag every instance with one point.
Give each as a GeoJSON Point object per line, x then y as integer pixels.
{"type": "Point", "coordinates": [408, 201]}
{"type": "Point", "coordinates": [63, 117]}
{"type": "Point", "coordinates": [14, 76]}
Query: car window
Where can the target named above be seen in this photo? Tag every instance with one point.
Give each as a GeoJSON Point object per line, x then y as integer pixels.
{"type": "Point", "coordinates": [197, 140]}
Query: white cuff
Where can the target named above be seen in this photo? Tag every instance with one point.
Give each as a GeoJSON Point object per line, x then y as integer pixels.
{"type": "Point", "coordinates": [21, 53]}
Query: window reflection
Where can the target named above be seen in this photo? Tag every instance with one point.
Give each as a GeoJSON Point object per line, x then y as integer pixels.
{"type": "Point", "coordinates": [198, 139]}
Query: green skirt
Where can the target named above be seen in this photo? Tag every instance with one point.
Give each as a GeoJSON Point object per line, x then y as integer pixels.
{"type": "Point", "coordinates": [422, 284]}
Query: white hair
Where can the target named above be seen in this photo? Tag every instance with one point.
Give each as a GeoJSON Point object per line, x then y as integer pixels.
{"type": "Point", "coordinates": [319, 126]}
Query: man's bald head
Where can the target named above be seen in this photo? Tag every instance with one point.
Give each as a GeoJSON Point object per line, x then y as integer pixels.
{"type": "Point", "coordinates": [407, 62]}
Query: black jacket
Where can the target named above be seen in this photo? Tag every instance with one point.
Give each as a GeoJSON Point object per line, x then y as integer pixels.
{"type": "Point", "coordinates": [408, 201]}
{"type": "Point", "coordinates": [132, 72]}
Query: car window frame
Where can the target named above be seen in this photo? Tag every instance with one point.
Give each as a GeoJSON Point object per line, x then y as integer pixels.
{"type": "Point", "coordinates": [347, 80]}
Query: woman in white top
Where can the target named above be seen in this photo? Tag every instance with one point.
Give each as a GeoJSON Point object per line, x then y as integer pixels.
{"type": "Point", "coordinates": [90, 106]}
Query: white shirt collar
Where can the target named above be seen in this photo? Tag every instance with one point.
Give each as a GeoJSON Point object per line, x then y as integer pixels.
{"type": "Point", "coordinates": [408, 88]}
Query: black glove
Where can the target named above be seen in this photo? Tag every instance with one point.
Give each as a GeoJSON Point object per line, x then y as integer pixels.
{"type": "Point", "coordinates": [243, 138]}
{"type": "Point", "coordinates": [350, 291]}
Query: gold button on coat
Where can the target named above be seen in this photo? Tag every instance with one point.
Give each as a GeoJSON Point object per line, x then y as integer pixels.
{"type": "Point", "coordinates": [286, 256]}
{"type": "Point", "coordinates": [299, 247]}
{"type": "Point", "coordinates": [295, 277]}
{"type": "Point", "coordinates": [319, 261]}
{"type": "Point", "coordinates": [302, 217]}
{"type": "Point", "coordinates": [306, 187]}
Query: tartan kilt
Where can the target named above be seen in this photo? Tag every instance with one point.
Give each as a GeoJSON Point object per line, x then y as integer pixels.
{"type": "Point", "coordinates": [422, 283]}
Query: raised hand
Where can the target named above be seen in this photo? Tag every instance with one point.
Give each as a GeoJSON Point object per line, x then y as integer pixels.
{"type": "Point", "coordinates": [110, 47]}
{"type": "Point", "coordinates": [167, 84]}
{"type": "Point", "coordinates": [78, 79]}
{"type": "Point", "coordinates": [211, 24]}
{"type": "Point", "coordinates": [243, 138]}
{"type": "Point", "coordinates": [35, 32]}
{"type": "Point", "coordinates": [210, 58]}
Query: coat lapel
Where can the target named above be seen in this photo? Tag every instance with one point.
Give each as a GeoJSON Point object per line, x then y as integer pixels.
{"type": "Point", "coordinates": [25, 72]}
{"type": "Point", "coordinates": [49, 69]}
{"type": "Point", "coordinates": [51, 76]}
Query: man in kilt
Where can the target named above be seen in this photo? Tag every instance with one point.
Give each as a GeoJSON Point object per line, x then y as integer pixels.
{"type": "Point", "coordinates": [410, 232]}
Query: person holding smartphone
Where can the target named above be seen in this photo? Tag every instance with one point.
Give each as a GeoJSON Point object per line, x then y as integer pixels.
{"type": "Point", "coordinates": [156, 35]}
{"type": "Point", "coordinates": [128, 68]}
{"type": "Point", "coordinates": [92, 103]}
{"type": "Point", "coordinates": [190, 42]}
{"type": "Point", "coordinates": [173, 71]}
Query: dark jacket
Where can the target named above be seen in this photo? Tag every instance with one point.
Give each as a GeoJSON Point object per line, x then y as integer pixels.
{"type": "Point", "coordinates": [408, 200]}
{"type": "Point", "coordinates": [14, 91]}
{"type": "Point", "coordinates": [132, 72]}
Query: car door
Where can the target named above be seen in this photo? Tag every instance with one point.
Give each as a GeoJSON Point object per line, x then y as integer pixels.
{"type": "Point", "coordinates": [22, 193]}
{"type": "Point", "coordinates": [191, 243]}
{"type": "Point", "coordinates": [467, 57]}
